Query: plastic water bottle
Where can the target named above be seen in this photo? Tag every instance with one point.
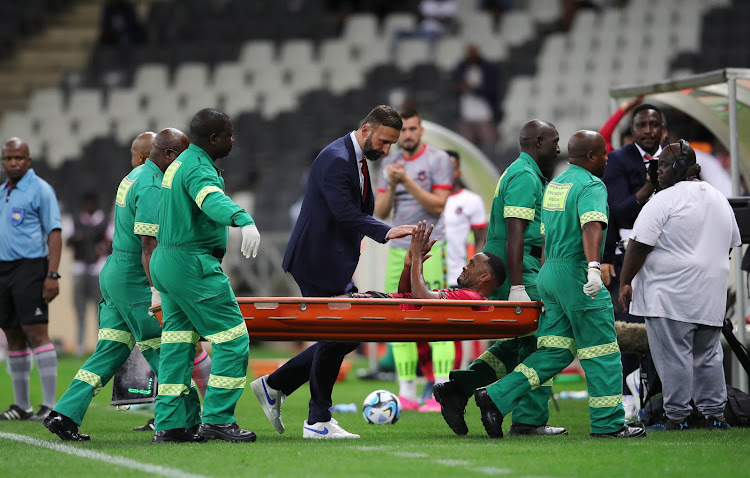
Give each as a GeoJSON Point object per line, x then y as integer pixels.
{"type": "Point", "coordinates": [573, 395]}
{"type": "Point", "coordinates": [344, 408]}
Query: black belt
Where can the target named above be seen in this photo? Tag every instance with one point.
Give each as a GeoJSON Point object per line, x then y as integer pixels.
{"type": "Point", "coordinates": [218, 252]}
{"type": "Point", "coordinates": [536, 251]}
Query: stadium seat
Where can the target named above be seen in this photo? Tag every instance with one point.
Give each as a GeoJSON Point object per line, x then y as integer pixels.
{"type": "Point", "coordinates": [85, 102]}
{"type": "Point", "coordinates": [257, 53]}
{"type": "Point", "coordinates": [360, 28]}
{"type": "Point", "coordinates": [151, 78]}
{"type": "Point", "coordinates": [191, 76]}
{"type": "Point", "coordinates": [296, 52]}
{"type": "Point", "coordinates": [412, 51]}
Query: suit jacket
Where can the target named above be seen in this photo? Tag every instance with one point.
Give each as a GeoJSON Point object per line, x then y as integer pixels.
{"type": "Point", "coordinates": [325, 243]}
{"type": "Point", "coordinates": [624, 176]}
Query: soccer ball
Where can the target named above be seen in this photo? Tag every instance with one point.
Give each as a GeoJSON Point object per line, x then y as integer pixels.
{"type": "Point", "coordinates": [381, 407]}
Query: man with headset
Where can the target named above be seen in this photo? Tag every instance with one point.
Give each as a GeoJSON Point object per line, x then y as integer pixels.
{"type": "Point", "coordinates": [675, 271]}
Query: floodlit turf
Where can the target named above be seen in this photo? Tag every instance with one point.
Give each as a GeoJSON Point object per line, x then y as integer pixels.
{"type": "Point", "coordinates": [419, 445]}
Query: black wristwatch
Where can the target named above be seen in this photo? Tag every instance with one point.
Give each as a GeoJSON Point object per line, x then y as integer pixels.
{"type": "Point", "coordinates": [53, 275]}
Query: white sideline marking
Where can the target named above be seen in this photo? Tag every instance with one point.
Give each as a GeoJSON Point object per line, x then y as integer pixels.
{"type": "Point", "coordinates": [95, 455]}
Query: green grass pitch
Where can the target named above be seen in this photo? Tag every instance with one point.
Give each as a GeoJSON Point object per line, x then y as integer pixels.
{"type": "Point", "coordinates": [419, 445]}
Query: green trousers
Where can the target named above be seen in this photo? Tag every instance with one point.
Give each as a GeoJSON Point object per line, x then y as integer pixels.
{"type": "Point", "coordinates": [494, 364]}
{"type": "Point", "coordinates": [197, 300]}
{"type": "Point", "coordinates": [573, 324]}
{"type": "Point", "coordinates": [123, 322]}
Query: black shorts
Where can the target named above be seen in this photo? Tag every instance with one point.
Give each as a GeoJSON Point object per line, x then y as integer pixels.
{"type": "Point", "coordinates": [21, 288]}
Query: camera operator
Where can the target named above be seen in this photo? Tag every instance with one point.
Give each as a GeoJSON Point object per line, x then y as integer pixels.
{"type": "Point", "coordinates": [677, 262]}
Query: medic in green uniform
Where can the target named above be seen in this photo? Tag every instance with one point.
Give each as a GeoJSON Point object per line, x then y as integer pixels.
{"type": "Point", "coordinates": [197, 299]}
{"type": "Point", "coordinates": [578, 319]}
{"type": "Point", "coordinates": [126, 294]}
{"type": "Point", "coordinates": [514, 235]}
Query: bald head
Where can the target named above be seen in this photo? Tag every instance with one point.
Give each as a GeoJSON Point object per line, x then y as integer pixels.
{"type": "Point", "coordinates": [588, 150]}
{"type": "Point", "coordinates": [212, 131]}
{"type": "Point", "coordinates": [16, 143]}
{"type": "Point", "coordinates": [141, 148]}
{"type": "Point", "coordinates": [167, 145]}
{"type": "Point", "coordinates": [539, 139]}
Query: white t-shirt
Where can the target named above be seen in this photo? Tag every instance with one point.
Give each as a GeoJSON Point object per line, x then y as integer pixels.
{"type": "Point", "coordinates": [464, 210]}
{"type": "Point", "coordinates": [692, 227]}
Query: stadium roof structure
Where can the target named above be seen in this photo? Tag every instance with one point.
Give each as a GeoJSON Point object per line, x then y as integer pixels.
{"type": "Point", "coordinates": [720, 100]}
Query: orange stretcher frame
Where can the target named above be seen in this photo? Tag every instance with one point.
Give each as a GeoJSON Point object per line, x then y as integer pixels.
{"type": "Point", "coordinates": [383, 320]}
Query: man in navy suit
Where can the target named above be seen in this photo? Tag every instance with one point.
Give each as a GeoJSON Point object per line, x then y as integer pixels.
{"type": "Point", "coordinates": [628, 189]}
{"type": "Point", "coordinates": [322, 255]}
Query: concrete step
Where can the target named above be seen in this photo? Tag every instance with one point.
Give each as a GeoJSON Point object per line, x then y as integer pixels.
{"type": "Point", "coordinates": [65, 38]}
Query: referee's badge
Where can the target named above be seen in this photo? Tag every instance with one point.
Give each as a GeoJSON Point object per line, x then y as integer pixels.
{"type": "Point", "coordinates": [16, 216]}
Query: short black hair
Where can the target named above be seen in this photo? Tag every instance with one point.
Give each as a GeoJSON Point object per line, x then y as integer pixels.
{"type": "Point", "coordinates": [648, 106]}
{"type": "Point", "coordinates": [384, 115]}
{"type": "Point", "coordinates": [454, 154]}
{"type": "Point", "coordinates": [496, 265]}
{"type": "Point", "coordinates": [408, 112]}
{"type": "Point", "coordinates": [208, 121]}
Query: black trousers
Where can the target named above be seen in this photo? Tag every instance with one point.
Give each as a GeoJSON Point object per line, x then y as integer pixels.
{"type": "Point", "coordinates": [319, 364]}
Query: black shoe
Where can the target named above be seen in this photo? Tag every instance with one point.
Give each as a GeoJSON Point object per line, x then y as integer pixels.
{"type": "Point", "coordinates": [683, 425]}
{"type": "Point", "coordinates": [624, 432]}
{"type": "Point", "coordinates": [148, 427]}
{"type": "Point", "coordinates": [16, 413]}
{"type": "Point", "coordinates": [176, 435]}
{"type": "Point", "coordinates": [717, 423]}
{"type": "Point", "coordinates": [41, 414]}
{"type": "Point", "coordinates": [492, 419]}
{"type": "Point", "coordinates": [63, 427]}
{"type": "Point", "coordinates": [523, 429]}
{"type": "Point", "coordinates": [452, 405]}
{"type": "Point", "coordinates": [228, 432]}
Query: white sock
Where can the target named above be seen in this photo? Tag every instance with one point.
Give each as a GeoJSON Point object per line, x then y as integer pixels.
{"type": "Point", "coordinates": [407, 389]}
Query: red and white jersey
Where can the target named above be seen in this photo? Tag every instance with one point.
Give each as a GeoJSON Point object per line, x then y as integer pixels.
{"type": "Point", "coordinates": [464, 211]}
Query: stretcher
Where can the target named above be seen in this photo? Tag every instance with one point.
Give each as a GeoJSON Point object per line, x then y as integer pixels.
{"type": "Point", "coordinates": [383, 320]}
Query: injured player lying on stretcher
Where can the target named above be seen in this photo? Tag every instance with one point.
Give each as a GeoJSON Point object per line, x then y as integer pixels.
{"type": "Point", "coordinates": [483, 273]}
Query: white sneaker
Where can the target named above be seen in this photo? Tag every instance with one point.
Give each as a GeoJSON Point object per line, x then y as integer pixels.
{"type": "Point", "coordinates": [270, 400]}
{"type": "Point", "coordinates": [326, 430]}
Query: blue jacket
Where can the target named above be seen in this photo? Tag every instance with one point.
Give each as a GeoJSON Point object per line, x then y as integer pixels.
{"type": "Point", "coordinates": [325, 243]}
{"type": "Point", "coordinates": [624, 176]}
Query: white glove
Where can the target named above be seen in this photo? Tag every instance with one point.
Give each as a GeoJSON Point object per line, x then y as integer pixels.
{"type": "Point", "coordinates": [594, 283]}
{"type": "Point", "coordinates": [155, 298]}
{"type": "Point", "coordinates": [518, 294]}
{"type": "Point", "coordinates": [250, 241]}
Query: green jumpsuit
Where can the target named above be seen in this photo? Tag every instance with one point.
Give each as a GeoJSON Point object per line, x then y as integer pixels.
{"type": "Point", "coordinates": [574, 323]}
{"type": "Point", "coordinates": [197, 299]}
{"type": "Point", "coordinates": [518, 194]}
{"type": "Point", "coordinates": [126, 296]}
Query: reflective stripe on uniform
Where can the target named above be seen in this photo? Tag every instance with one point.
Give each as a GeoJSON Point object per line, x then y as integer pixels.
{"type": "Point", "coordinates": [548, 383]}
{"type": "Point", "coordinates": [541, 228]}
{"type": "Point", "coordinates": [166, 182]}
{"type": "Point", "coordinates": [530, 374]}
{"type": "Point", "coordinates": [598, 351]}
{"type": "Point", "coordinates": [115, 335]}
{"type": "Point", "coordinates": [122, 191]}
{"type": "Point", "coordinates": [557, 342]}
{"type": "Point", "coordinates": [145, 229]}
{"type": "Point", "coordinates": [228, 335]}
{"type": "Point", "coordinates": [91, 378]}
{"type": "Point", "coordinates": [519, 212]}
{"type": "Point", "coordinates": [173, 389]}
{"type": "Point", "coordinates": [154, 343]}
{"type": "Point", "coordinates": [592, 216]}
{"type": "Point", "coordinates": [490, 359]}
{"type": "Point", "coordinates": [604, 402]}
{"type": "Point", "coordinates": [179, 337]}
{"type": "Point", "coordinates": [201, 196]}
{"type": "Point", "coordinates": [217, 381]}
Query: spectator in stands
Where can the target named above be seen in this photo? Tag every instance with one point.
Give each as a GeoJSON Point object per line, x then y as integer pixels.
{"type": "Point", "coordinates": [30, 247]}
{"type": "Point", "coordinates": [436, 19]}
{"type": "Point", "coordinates": [475, 81]}
{"type": "Point", "coordinates": [629, 187]}
{"type": "Point", "coordinates": [497, 9]}
{"type": "Point", "coordinates": [414, 185]}
{"type": "Point", "coordinates": [119, 25]}
{"type": "Point", "coordinates": [90, 240]}
{"type": "Point", "coordinates": [675, 271]}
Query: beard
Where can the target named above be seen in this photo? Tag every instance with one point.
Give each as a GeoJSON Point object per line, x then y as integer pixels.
{"type": "Point", "coordinates": [369, 152]}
